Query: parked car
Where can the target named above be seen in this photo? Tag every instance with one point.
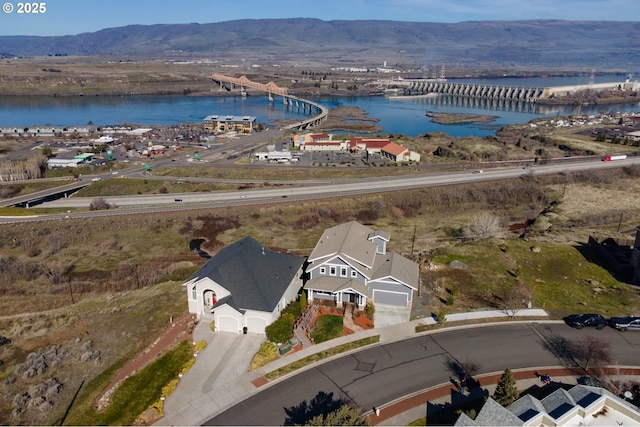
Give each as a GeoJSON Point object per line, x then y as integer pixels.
{"type": "Point", "coordinates": [625, 323]}
{"type": "Point", "coordinates": [579, 321]}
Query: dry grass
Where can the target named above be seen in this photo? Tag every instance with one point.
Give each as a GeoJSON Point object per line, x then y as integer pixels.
{"type": "Point", "coordinates": [120, 323]}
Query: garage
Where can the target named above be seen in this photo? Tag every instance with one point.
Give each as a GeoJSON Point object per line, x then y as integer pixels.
{"type": "Point", "coordinates": [389, 298]}
{"type": "Point", "coordinates": [256, 325]}
{"type": "Point", "coordinates": [228, 324]}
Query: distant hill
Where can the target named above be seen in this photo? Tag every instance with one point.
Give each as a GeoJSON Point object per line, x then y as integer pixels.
{"type": "Point", "coordinates": [601, 45]}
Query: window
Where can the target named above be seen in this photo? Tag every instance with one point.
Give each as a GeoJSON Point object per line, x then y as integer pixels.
{"type": "Point", "coordinates": [343, 272]}
{"type": "Point", "coordinates": [323, 270]}
{"type": "Point", "coordinates": [354, 273]}
{"type": "Point", "coordinates": [332, 271]}
{"type": "Point", "coordinates": [194, 293]}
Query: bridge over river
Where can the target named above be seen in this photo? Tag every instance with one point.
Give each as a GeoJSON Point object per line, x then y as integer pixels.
{"type": "Point", "coordinates": [467, 94]}
{"type": "Point", "coordinates": [318, 111]}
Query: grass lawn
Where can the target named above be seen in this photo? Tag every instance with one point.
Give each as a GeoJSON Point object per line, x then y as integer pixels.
{"type": "Point", "coordinates": [327, 327]}
{"type": "Point", "coordinates": [565, 278]}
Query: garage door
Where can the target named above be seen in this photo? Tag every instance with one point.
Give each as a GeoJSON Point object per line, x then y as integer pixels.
{"type": "Point", "coordinates": [256, 325]}
{"type": "Point", "coordinates": [390, 298]}
{"type": "Point", "coordinates": [228, 324]}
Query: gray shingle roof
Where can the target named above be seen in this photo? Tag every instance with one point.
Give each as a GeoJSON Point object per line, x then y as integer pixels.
{"type": "Point", "coordinates": [256, 276]}
{"type": "Point", "coordinates": [558, 403]}
{"type": "Point", "coordinates": [350, 239]}
{"type": "Point", "coordinates": [494, 414]}
{"type": "Point", "coordinates": [527, 407]}
{"type": "Point", "coordinates": [552, 407]}
{"type": "Point", "coordinates": [400, 268]}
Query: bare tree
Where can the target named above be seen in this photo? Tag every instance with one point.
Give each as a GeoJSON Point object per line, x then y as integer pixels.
{"type": "Point", "coordinates": [483, 226]}
{"type": "Point", "coordinates": [463, 371]}
{"type": "Point", "coordinates": [55, 242]}
{"type": "Point", "coordinates": [99, 203]}
{"type": "Point", "coordinates": [590, 350]}
{"type": "Point", "coordinates": [516, 298]}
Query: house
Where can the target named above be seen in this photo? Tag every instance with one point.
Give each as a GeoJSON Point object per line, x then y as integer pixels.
{"type": "Point", "coordinates": [350, 263]}
{"type": "Point", "coordinates": [580, 405]}
{"type": "Point", "coordinates": [245, 285]}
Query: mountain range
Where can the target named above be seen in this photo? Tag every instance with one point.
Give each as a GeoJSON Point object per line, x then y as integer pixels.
{"type": "Point", "coordinates": [601, 45]}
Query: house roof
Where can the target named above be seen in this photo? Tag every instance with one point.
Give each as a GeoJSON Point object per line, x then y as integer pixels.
{"type": "Point", "coordinates": [553, 408]}
{"type": "Point", "coordinates": [256, 276]}
{"type": "Point", "coordinates": [368, 143]}
{"type": "Point", "coordinates": [394, 149]}
{"type": "Point", "coordinates": [349, 239]}
{"type": "Point", "coordinates": [400, 268]}
{"type": "Point", "coordinates": [493, 414]}
{"type": "Point", "coordinates": [320, 135]}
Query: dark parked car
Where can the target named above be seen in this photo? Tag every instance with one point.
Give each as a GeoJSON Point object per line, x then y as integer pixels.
{"type": "Point", "coordinates": [579, 321]}
{"type": "Point", "coordinates": [625, 323]}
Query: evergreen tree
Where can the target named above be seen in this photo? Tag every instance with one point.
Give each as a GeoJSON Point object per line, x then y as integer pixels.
{"type": "Point", "coordinates": [303, 301]}
{"type": "Point", "coordinates": [506, 391]}
{"type": "Point", "coordinates": [344, 416]}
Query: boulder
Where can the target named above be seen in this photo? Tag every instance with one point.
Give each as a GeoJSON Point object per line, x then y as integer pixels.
{"type": "Point", "coordinates": [458, 265]}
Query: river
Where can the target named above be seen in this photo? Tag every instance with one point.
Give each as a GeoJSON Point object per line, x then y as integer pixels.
{"type": "Point", "coordinates": [397, 116]}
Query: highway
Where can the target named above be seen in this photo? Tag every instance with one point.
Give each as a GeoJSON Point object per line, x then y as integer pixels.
{"type": "Point", "coordinates": [383, 373]}
{"type": "Point", "coordinates": [297, 191]}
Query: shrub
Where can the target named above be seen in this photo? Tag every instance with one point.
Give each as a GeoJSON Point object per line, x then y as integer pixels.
{"type": "Point", "coordinates": [200, 345]}
{"type": "Point", "coordinates": [265, 355]}
{"type": "Point", "coordinates": [281, 329]}
{"type": "Point", "coordinates": [303, 301]}
{"type": "Point", "coordinates": [369, 309]}
{"type": "Point", "coordinates": [441, 317]}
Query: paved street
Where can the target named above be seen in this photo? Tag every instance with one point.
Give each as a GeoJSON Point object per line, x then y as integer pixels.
{"type": "Point", "coordinates": [379, 374]}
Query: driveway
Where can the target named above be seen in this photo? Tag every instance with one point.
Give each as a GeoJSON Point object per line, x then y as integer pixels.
{"type": "Point", "coordinates": [387, 315]}
{"type": "Point", "coordinates": [206, 388]}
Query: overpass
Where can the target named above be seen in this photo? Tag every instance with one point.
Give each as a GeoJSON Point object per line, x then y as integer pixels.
{"type": "Point", "coordinates": [413, 87]}
{"type": "Point", "coordinates": [319, 112]}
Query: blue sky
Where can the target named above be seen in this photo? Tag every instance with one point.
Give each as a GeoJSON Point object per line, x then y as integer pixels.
{"type": "Point", "coordinates": [78, 16]}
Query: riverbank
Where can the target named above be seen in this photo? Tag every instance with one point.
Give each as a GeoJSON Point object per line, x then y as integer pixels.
{"type": "Point", "coordinates": [459, 118]}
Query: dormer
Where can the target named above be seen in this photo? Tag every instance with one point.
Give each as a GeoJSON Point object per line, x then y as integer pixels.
{"type": "Point", "coordinates": [380, 239]}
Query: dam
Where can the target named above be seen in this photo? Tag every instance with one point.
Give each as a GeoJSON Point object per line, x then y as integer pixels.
{"type": "Point", "coordinates": [421, 87]}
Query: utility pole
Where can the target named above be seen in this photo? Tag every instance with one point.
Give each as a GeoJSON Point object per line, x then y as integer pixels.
{"type": "Point", "coordinates": [619, 222]}
{"type": "Point", "coordinates": [413, 242]}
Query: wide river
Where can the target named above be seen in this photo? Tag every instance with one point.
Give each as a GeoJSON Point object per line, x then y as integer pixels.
{"type": "Point", "coordinates": [397, 116]}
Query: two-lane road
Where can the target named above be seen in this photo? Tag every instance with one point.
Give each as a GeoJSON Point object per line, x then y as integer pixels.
{"type": "Point", "coordinates": [386, 372]}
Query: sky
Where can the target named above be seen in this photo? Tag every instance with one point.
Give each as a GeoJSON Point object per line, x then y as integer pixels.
{"type": "Point", "coordinates": [67, 17]}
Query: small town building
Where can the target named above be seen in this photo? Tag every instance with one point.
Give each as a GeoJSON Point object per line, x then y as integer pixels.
{"type": "Point", "coordinates": [216, 123]}
{"type": "Point", "coordinates": [306, 138]}
{"type": "Point", "coordinates": [64, 163]}
{"type": "Point", "coordinates": [398, 153]}
{"type": "Point", "coordinates": [245, 285]}
{"type": "Point", "coordinates": [324, 146]}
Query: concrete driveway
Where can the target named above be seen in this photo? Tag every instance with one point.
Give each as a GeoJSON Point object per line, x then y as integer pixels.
{"type": "Point", "coordinates": [387, 315]}
{"type": "Point", "coordinates": [207, 387]}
